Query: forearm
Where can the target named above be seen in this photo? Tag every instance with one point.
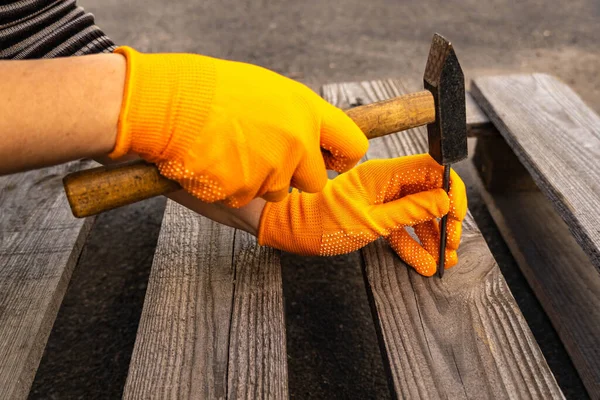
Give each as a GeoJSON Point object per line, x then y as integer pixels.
{"type": "Point", "coordinates": [58, 110]}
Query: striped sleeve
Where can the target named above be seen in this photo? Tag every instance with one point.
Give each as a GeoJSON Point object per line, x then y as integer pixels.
{"type": "Point", "coordinates": [47, 29]}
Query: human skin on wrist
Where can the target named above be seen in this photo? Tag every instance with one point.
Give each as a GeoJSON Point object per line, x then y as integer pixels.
{"type": "Point", "coordinates": [74, 112]}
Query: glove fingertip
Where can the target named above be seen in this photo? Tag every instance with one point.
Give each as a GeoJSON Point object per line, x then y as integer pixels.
{"type": "Point", "coordinates": [428, 270]}
{"type": "Point", "coordinates": [310, 175]}
{"type": "Point", "coordinates": [451, 259]}
{"type": "Point", "coordinates": [275, 196]}
{"type": "Point", "coordinates": [458, 195]}
{"type": "Point", "coordinates": [442, 201]}
{"type": "Point", "coordinates": [454, 233]}
{"type": "Point", "coordinates": [343, 141]}
{"type": "Point", "coordinates": [412, 253]}
{"type": "Point", "coordinates": [434, 202]}
{"type": "Point", "coordinates": [310, 185]}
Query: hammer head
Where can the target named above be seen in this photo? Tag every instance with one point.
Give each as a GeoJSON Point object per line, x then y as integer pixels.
{"type": "Point", "coordinates": [444, 78]}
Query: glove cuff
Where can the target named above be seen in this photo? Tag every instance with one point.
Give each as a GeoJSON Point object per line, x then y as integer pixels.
{"type": "Point", "coordinates": [164, 94]}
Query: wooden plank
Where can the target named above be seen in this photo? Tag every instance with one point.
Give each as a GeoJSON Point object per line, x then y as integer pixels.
{"type": "Point", "coordinates": [557, 269]}
{"type": "Point", "coordinates": [40, 242]}
{"type": "Point", "coordinates": [460, 337]}
{"type": "Point", "coordinates": [557, 138]}
{"type": "Point", "coordinates": [257, 348]}
{"type": "Point", "coordinates": [213, 304]}
{"type": "Point", "coordinates": [181, 348]}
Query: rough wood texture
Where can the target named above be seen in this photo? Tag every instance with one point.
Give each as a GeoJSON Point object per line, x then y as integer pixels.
{"type": "Point", "coordinates": [460, 337]}
{"type": "Point", "coordinates": [213, 307]}
{"type": "Point", "coordinates": [257, 354]}
{"type": "Point", "coordinates": [557, 269]}
{"type": "Point", "coordinates": [498, 166]}
{"type": "Point", "coordinates": [40, 243]}
{"type": "Point", "coordinates": [557, 138]}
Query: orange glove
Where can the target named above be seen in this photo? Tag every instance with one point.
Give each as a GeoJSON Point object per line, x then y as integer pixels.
{"type": "Point", "coordinates": [231, 131]}
{"type": "Point", "coordinates": [377, 198]}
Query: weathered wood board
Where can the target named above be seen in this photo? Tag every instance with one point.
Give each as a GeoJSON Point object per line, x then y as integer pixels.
{"type": "Point", "coordinates": [212, 326]}
{"type": "Point", "coordinates": [559, 272]}
{"type": "Point", "coordinates": [557, 138]}
{"type": "Point", "coordinates": [460, 337]}
{"type": "Point", "coordinates": [257, 346]}
{"type": "Point", "coordinates": [40, 243]}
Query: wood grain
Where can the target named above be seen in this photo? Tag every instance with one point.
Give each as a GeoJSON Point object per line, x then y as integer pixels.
{"type": "Point", "coordinates": [557, 269]}
{"type": "Point", "coordinates": [460, 337]}
{"type": "Point", "coordinates": [397, 114]}
{"type": "Point", "coordinates": [104, 188]}
{"type": "Point", "coordinates": [557, 138]}
{"type": "Point", "coordinates": [257, 347]}
{"type": "Point", "coordinates": [206, 293]}
{"type": "Point", "coordinates": [40, 243]}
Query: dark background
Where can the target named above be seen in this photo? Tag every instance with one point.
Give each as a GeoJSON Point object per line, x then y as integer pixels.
{"type": "Point", "coordinates": [332, 347]}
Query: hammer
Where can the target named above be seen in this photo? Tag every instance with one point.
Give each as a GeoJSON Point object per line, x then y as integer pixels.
{"type": "Point", "coordinates": [441, 106]}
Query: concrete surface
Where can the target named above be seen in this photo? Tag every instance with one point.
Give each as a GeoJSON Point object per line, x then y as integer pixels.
{"type": "Point", "coordinates": [319, 41]}
{"type": "Point", "coordinates": [333, 352]}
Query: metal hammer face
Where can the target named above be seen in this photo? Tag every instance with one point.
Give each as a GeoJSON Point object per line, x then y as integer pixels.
{"type": "Point", "coordinates": [447, 136]}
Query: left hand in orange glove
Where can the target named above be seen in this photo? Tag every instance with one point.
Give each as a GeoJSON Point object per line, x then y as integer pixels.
{"type": "Point", "coordinates": [377, 198]}
{"type": "Point", "coordinates": [230, 132]}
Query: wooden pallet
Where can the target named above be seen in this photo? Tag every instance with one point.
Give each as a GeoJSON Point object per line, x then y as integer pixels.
{"type": "Point", "coordinates": [213, 325]}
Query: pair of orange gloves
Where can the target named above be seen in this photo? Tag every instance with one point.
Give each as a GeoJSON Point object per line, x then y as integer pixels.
{"type": "Point", "coordinates": [230, 132]}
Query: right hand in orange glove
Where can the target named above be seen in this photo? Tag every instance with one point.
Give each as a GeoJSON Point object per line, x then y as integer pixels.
{"type": "Point", "coordinates": [377, 198]}
{"type": "Point", "coordinates": [228, 131]}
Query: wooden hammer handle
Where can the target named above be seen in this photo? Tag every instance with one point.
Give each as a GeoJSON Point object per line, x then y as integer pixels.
{"type": "Point", "coordinates": [101, 189]}
{"type": "Point", "coordinates": [394, 115]}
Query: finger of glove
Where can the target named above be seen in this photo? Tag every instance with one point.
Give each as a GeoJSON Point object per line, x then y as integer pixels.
{"type": "Point", "coordinates": [409, 210]}
{"type": "Point", "coordinates": [458, 197]}
{"type": "Point", "coordinates": [343, 141]}
{"type": "Point", "coordinates": [429, 235]}
{"type": "Point", "coordinates": [275, 196]}
{"type": "Point", "coordinates": [409, 250]}
{"type": "Point", "coordinates": [310, 175]}
{"type": "Point", "coordinates": [453, 233]}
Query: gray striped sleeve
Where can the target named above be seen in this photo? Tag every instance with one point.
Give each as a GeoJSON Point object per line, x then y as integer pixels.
{"type": "Point", "coordinates": [47, 29]}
